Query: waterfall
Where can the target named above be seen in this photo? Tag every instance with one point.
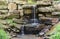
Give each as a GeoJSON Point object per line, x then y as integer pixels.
{"type": "Point", "coordinates": [22, 30]}
{"type": "Point", "coordinates": [35, 21]}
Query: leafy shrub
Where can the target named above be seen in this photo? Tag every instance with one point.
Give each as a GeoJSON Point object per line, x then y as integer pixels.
{"type": "Point", "coordinates": [3, 34]}
{"type": "Point", "coordinates": [56, 34]}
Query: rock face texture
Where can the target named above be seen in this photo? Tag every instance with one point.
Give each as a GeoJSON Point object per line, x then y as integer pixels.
{"type": "Point", "coordinates": [47, 12]}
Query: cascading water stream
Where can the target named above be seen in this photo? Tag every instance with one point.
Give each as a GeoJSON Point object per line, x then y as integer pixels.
{"type": "Point", "coordinates": [34, 13]}
{"type": "Point", "coordinates": [22, 30]}
{"type": "Point", "coordinates": [35, 21]}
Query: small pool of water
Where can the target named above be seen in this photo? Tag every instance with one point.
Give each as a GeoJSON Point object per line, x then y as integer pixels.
{"type": "Point", "coordinates": [26, 37]}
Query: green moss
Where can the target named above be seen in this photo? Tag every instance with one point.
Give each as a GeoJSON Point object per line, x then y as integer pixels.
{"type": "Point", "coordinates": [31, 2]}
{"type": "Point", "coordinates": [3, 3]}
{"type": "Point", "coordinates": [10, 21]}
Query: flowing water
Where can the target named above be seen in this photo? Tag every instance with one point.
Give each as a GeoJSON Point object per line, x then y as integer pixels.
{"type": "Point", "coordinates": [33, 24]}
{"type": "Point", "coordinates": [27, 37]}
{"type": "Point", "coordinates": [35, 21]}
{"type": "Point", "coordinates": [22, 30]}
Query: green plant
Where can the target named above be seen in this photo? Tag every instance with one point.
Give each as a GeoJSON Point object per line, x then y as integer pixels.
{"type": "Point", "coordinates": [3, 34]}
{"type": "Point", "coordinates": [56, 34]}
{"type": "Point", "coordinates": [56, 0]}
{"type": "Point", "coordinates": [10, 21]}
